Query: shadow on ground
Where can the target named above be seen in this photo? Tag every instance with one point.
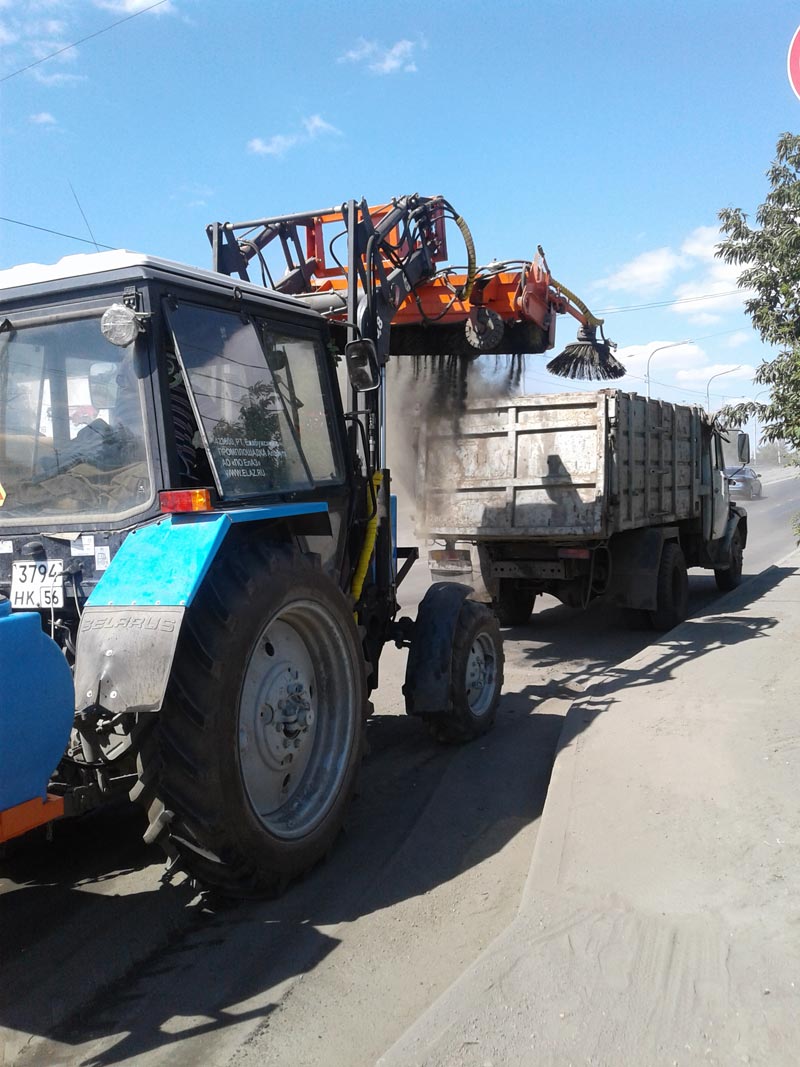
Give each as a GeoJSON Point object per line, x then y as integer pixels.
{"type": "Point", "coordinates": [601, 636]}
{"type": "Point", "coordinates": [168, 970]}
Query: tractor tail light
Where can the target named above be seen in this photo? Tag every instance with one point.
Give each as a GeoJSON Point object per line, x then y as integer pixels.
{"type": "Point", "coordinates": [181, 500]}
{"type": "Point", "coordinates": [573, 553]}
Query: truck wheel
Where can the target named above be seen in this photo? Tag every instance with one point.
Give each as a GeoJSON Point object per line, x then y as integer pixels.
{"type": "Point", "coordinates": [732, 576]}
{"type": "Point", "coordinates": [253, 761]}
{"type": "Point", "coordinates": [672, 595]}
{"type": "Point", "coordinates": [476, 677]}
{"type": "Point", "coordinates": [514, 603]}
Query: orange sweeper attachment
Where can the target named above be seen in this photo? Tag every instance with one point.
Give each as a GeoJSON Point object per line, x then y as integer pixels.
{"type": "Point", "coordinates": [393, 272]}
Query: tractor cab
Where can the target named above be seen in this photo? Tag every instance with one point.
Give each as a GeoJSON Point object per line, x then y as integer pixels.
{"type": "Point", "coordinates": [135, 380]}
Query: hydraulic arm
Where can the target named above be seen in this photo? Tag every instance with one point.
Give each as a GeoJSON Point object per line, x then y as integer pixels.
{"type": "Point", "coordinates": [396, 275]}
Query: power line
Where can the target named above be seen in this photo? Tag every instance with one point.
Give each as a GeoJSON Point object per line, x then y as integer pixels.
{"type": "Point", "coordinates": [88, 227]}
{"type": "Point", "coordinates": [82, 40]}
{"type": "Point", "coordinates": [667, 303]}
{"type": "Point", "coordinates": [57, 233]}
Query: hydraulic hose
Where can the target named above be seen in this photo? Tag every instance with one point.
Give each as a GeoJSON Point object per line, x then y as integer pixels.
{"type": "Point", "coordinates": [591, 320]}
{"type": "Point", "coordinates": [368, 547]}
{"type": "Point", "coordinates": [472, 261]}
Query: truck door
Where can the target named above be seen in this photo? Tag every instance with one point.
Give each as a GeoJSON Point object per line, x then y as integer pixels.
{"type": "Point", "coordinates": [719, 490]}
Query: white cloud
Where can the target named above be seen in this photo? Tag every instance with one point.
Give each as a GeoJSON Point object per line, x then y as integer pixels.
{"type": "Point", "coordinates": [52, 80]}
{"type": "Point", "coordinates": [667, 356]}
{"type": "Point", "coordinates": [43, 118]}
{"type": "Point", "coordinates": [702, 374]}
{"type": "Point", "coordinates": [701, 243]}
{"type": "Point", "coordinates": [705, 299]}
{"type": "Point", "coordinates": [280, 143]}
{"type": "Point", "coordinates": [316, 125]}
{"type": "Point", "coordinates": [133, 7]}
{"type": "Point", "coordinates": [645, 275]}
{"type": "Point", "coordinates": [736, 340]}
{"type": "Point", "coordinates": [703, 288]}
{"type": "Point", "coordinates": [193, 195]}
{"type": "Point", "coordinates": [40, 28]}
{"type": "Point", "coordinates": [363, 50]}
{"type": "Point", "coordinates": [397, 58]}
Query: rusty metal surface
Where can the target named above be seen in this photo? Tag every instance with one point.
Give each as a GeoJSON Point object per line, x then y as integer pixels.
{"type": "Point", "coordinates": [573, 465]}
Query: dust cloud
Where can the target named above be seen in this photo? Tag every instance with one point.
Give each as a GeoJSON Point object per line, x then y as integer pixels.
{"type": "Point", "coordinates": [422, 388]}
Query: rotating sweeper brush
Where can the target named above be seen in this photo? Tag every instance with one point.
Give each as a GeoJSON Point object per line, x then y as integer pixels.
{"type": "Point", "coordinates": [587, 358]}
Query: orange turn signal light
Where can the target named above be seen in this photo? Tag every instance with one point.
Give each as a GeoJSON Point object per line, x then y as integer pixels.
{"type": "Point", "coordinates": [181, 500]}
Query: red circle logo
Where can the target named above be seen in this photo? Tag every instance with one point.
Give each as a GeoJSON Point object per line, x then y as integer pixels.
{"type": "Point", "coordinates": [793, 63]}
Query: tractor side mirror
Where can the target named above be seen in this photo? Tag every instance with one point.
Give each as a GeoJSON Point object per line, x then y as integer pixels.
{"type": "Point", "coordinates": [743, 448]}
{"type": "Point", "coordinates": [362, 365]}
{"type": "Point", "coordinates": [276, 359]}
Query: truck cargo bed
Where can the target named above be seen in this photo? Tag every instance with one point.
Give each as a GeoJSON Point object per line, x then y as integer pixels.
{"type": "Point", "coordinates": [572, 465]}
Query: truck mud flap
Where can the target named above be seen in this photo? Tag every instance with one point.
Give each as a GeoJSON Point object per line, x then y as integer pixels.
{"type": "Point", "coordinates": [635, 558]}
{"type": "Point", "coordinates": [427, 684]}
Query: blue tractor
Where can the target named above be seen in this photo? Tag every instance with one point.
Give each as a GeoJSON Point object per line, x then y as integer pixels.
{"type": "Point", "coordinates": [201, 530]}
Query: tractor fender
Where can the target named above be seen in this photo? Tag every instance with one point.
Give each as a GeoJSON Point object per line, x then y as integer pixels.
{"type": "Point", "coordinates": [130, 626]}
{"type": "Point", "coordinates": [427, 684]}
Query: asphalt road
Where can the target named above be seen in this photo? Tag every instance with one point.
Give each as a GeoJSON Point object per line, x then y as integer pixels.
{"type": "Point", "coordinates": [101, 965]}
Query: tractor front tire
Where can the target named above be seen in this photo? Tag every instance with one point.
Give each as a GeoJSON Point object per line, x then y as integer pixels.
{"type": "Point", "coordinates": [731, 577]}
{"type": "Point", "coordinates": [476, 677]}
{"type": "Point", "coordinates": [672, 592]}
{"type": "Point", "coordinates": [252, 763]}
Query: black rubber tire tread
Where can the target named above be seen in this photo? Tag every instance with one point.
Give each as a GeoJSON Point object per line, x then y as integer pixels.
{"type": "Point", "coordinates": [458, 724]}
{"type": "Point", "coordinates": [189, 778]}
{"type": "Point", "coordinates": [514, 603]}
{"type": "Point", "coordinates": [672, 591]}
{"type": "Point", "coordinates": [731, 577]}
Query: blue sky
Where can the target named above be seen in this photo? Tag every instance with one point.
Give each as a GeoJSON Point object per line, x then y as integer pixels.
{"type": "Point", "coordinates": [609, 132]}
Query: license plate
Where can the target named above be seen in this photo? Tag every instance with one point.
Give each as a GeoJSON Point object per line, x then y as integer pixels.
{"type": "Point", "coordinates": [37, 585]}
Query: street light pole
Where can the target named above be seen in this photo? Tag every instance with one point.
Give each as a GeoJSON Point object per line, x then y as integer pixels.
{"type": "Point", "coordinates": [719, 374]}
{"type": "Point", "coordinates": [672, 344]}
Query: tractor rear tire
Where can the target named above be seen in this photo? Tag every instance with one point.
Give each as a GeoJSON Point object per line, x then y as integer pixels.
{"type": "Point", "coordinates": [514, 603]}
{"type": "Point", "coordinates": [672, 592]}
{"type": "Point", "coordinates": [249, 771]}
{"type": "Point", "coordinates": [476, 677]}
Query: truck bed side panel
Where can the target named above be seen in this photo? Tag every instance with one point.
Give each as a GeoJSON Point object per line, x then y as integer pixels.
{"type": "Point", "coordinates": [574, 465]}
{"type": "Point", "coordinates": [654, 457]}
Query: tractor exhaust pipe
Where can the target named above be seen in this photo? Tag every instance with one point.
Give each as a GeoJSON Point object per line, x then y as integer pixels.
{"type": "Point", "coordinates": [588, 358]}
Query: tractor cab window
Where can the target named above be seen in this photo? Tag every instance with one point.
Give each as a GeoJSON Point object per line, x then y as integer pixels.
{"type": "Point", "coordinates": [72, 438]}
{"type": "Point", "coordinates": [261, 400]}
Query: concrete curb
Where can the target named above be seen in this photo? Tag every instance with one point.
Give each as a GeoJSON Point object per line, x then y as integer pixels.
{"type": "Point", "coordinates": [565, 954]}
{"type": "Point", "coordinates": [548, 850]}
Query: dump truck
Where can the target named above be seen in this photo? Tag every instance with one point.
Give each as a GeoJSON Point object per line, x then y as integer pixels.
{"type": "Point", "coordinates": [581, 495]}
{"type": "Point", "coordinates": [198, 534]}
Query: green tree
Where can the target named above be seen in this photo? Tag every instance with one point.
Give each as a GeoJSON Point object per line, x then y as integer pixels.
{"type": "Point", "coordinates": [769, 255]}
